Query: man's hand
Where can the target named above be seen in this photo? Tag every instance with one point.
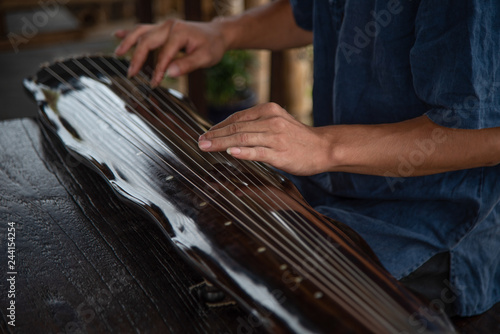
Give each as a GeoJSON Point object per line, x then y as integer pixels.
{"type": "Point", "coordinates": [414, 147]}
{"type": "Point", "coordinates": [203, 44]}
{"type": "Point", "coordinates": [271, 26]}
{"type": "Point", "coordinates": [269, 134]}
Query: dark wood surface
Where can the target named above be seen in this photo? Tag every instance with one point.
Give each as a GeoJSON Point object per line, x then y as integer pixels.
{"type": "Point", "coordinates": [87, 263]}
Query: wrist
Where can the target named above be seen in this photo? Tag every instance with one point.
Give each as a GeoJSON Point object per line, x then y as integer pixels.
{"type": "Point", "coordinates": [347, 147]}
{"type": "Point", "coordinates": [228, 31]}
{"type": "Point", "coordinates": [333, 152]}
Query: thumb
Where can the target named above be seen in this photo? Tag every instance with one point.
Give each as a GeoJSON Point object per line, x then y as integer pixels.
{"type": "Point", "coordinates": [181, 66]}
{"type": "Point", "coordinates": [189, 63]}
{"type": "Point", "coordinates": [120, 33]}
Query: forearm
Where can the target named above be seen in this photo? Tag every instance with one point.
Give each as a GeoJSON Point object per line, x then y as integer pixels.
{"type": "Point", "coordinates": [271, 26]}
{"type": "Point", "coordinates": [412, 148]}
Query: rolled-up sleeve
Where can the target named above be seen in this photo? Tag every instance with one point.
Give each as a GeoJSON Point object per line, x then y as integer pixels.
{"type": "Point", "coordinates": [455, 62]}
{"type": "Point", "coordinates": [303, 13]}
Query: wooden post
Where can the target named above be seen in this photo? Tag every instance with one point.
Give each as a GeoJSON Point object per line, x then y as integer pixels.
{"type": "Point", "coordinates": [260, 73]}
{"type": "Point", "coordinates": [144, 14]}
{"type": "Point", "coordinates": [3, 25]}
{"type": "Point", "coordinates": [196, 79]}
{"type": "Point", "coordinates": [297, 85]}
{"type": "Point", "coordinates": [144, 11]}
{"type": "Point", "coordinates": [278, 77]}
{"type": "Point", "coordinates": [290, 83]}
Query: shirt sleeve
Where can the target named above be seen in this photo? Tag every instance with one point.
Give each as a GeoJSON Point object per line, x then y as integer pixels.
{"type": "Point", "coordinates": [456, 62]}
{"type": "Point", "coordinates": [303, 13]}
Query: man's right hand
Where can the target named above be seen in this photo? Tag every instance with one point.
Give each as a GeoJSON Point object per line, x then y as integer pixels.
{"type": "Point", "coordinates": [203, 45]}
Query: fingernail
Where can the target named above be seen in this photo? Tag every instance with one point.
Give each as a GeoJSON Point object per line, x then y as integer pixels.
{"type": "Point", "coordinates": [158, 77]}
{"type": "Point", "coordinates": [130, 70]}
{"type": "Point", "coordinates": [153, 83]}
{"type": "Point", "coordinates": [118, 49]}
{"type": "Point", "coordinates": [233, 150]}
{"type": "Point", "coordinates": [202, 137]}
{"type": "Point", "coordinates": [204, 144]}
{"type": "Point", "coordinates": [173, 71]}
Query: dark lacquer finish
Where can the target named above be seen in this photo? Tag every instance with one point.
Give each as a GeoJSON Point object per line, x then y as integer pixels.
{"type": "Point", "coordinates": [242, 225]}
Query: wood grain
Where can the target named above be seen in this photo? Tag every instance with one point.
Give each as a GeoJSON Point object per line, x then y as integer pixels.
{"type": "Point", "coordinates": [85, 261]}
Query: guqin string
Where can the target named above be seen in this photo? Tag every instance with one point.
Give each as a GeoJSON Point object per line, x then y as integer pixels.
{"type": "Point", "coordinates": [302, 224]}
{"type": "Point", "coordinates": [142, 106]}
{"type": "Point", "coordinates": [342, 281]}
{"type": "Point", "coordinates": [322, 243]}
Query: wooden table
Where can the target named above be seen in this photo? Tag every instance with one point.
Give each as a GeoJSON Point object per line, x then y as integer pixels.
{"type": "Point", "coordinates": [86, 262]}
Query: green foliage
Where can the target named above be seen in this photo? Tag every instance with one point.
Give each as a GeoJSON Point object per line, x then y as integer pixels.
{"type": "Point", "coordinates": [228, 81]}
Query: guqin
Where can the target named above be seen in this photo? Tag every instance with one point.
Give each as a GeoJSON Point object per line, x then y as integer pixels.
{"type": "Point", "coordinates": [241, 224]}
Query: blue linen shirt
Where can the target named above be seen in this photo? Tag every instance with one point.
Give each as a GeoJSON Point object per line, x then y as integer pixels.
{"type": "Point", "coordinates": [385, 61]}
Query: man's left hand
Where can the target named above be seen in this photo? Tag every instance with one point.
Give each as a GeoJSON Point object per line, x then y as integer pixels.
{"type": "Point", "coordinates": [268, 133]}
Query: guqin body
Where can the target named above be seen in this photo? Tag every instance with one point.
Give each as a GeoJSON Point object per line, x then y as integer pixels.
{"type": "Point", "coordinates": [242, 225]}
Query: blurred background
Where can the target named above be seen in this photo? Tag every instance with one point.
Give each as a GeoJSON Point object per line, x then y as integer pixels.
{"type": "Point", "coordinates": [36, 32]}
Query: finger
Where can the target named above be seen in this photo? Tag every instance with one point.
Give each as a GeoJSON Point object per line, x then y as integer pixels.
{"type": "Point", "coordinates": [122, 33]}
{"type": "Point", "coordinates": [170, 49]}
{"type": "Point", "coordinates": [131, 39]}
{"type": "Point", "coordinates": [263, 111]}
{"type": "Point", "coordinates": [234, 128]}
{"type": "Point", "coordinates": [145, 44]}
{"type": "Point", "coordinates": [186, 64]}
{"type": "Point", "coordinates": [138, 59]}
{"type": "Point", "coordinates": [246, 115]}
{"type": "Point", "coordinates": [238, 140]}
{"type": "Point", "coordinates": [262, 154]}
